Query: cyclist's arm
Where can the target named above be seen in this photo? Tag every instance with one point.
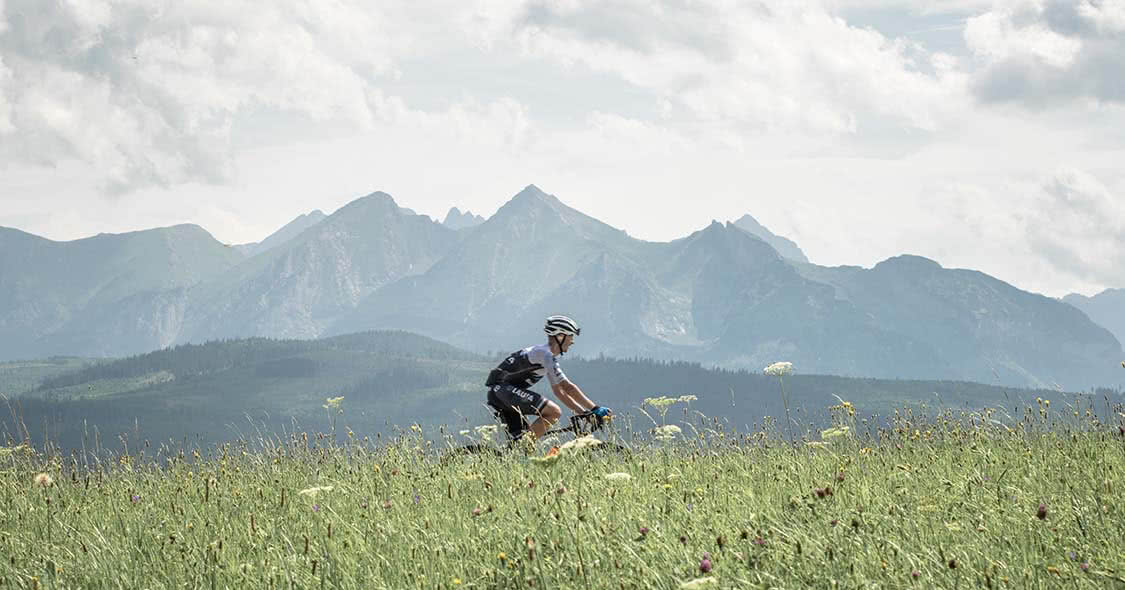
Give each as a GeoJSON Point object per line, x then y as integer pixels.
{"type": "Point", "coordinates": [571, 396]}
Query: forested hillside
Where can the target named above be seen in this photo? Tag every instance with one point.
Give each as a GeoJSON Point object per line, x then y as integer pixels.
{"type": "Point", "coordinates": [236, 388]}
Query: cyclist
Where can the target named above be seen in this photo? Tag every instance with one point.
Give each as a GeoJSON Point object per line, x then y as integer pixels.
{"type": "Point", "coordinates": [508, 393]}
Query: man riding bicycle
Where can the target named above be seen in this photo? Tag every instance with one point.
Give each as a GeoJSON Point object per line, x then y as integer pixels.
{"type": "Point", "coordinates": [508, 383]}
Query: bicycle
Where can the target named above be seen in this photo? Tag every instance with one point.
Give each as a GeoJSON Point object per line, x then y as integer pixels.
{"type": "Point", "coordinates": [584, 424]}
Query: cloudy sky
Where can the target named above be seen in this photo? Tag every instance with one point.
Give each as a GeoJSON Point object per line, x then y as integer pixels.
{"type": "Point", "coordinates": [982, 134]}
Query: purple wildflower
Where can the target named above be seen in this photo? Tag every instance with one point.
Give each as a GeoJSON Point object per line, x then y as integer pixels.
{"type": "Point", "coordinates": [135, 498]}
{"type": "Point", "coordinates": [316, 507]}
{"type": "Point", "coordinates": [705, 565]}
{"type": "Point", "coordinates": [1085, 566]}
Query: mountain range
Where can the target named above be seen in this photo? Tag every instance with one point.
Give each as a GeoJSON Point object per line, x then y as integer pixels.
{"type": "Point", "coordinates": [729, 295]}
{"type": "Point", "coordinates": [1106, 308]}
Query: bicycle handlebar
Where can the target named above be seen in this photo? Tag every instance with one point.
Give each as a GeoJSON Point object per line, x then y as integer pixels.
{"type": "Point", "coordinates": [578, 422]}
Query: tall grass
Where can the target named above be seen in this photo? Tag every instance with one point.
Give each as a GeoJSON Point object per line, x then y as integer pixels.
{"type": "Point", "coordinates": [940, 501]}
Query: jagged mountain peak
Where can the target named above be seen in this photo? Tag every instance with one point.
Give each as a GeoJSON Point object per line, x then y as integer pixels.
{"type": "Point", "coordinates": [785, 247]}
{"type": "Point", "coordinates": [532, 209]}
{"type": "Point", "coordinates": [456, 219]}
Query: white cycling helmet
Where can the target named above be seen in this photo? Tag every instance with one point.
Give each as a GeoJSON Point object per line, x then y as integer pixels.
{"type": "Point", "coordinates": [561, 325]}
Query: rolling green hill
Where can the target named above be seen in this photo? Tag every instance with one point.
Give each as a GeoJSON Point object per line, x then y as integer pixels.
{"type": "Point", "coordinates": [236, 388]}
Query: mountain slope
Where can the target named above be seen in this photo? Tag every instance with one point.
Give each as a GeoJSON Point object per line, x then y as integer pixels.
{"type": "Point", "coordinates": [975, 326]}
{"type": "Point", "coordinates": [298, 289]}
{"type": "Point", "coordinates": [286, 233]}
{"type": "Point", "coordinates": [54, 296]}
{"type": "Point", "coordinates": [529, 248]}
{"type": "Point", "coordinates": [1106, 308]}
{"type": "Point", "coordinates": [785, 247]}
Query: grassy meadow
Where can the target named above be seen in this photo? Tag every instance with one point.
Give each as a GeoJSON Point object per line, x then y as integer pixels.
{"type": "Point", "coordinates": [948, 500]}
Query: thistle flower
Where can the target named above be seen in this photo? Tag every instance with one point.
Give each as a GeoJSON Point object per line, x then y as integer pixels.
{"type": "Point", "coordinates": [44, 480]}
{"type": "Point", "coordinates": [476, 511]}
{"type": "Point", "coordinates": [705, 565]}
{"type": "Point", "coordinates": [1041, 514]}
{"type": "Point", "coordinates": [915, 574]}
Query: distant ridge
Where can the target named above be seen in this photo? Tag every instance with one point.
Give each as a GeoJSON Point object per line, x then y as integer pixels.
{"type": "Point", "coordinates": [1106, 308]}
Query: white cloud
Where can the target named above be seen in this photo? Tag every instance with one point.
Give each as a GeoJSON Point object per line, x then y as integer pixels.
{"type": "Point", "coordinates": [6, 125]}
{"type": "Point", "coordinates": [788, 67]}
{"type": "Point", "coordinates": [1049, 51]}
{"type": "Point", "coordinates": [149, 91]}
{"type": "Point", "coordinates": [1078, 225]}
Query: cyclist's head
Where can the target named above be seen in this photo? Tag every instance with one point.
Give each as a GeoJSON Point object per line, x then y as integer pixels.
{"type": "Point", "coordinates": [558, 328]}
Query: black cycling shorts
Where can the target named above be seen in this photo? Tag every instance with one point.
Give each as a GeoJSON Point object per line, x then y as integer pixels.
{"type": "Point", "coordinates": [511, 403]}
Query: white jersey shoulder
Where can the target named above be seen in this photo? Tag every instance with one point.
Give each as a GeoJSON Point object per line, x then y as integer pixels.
{"type": "Point", "coordinates": [541, 355]}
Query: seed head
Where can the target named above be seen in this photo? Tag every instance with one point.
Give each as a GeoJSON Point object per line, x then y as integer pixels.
{"type": "Point", "coordinates": [1042, 512]}
{"type": "Point", "coordinates": [44, 480]}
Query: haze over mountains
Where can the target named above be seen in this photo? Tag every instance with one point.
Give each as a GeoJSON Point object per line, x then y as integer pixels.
{"type": "Point", "coordinates": [732, 295]}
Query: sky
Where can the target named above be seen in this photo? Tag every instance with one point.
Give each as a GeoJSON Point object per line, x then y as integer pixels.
{"type": "Point", "coordinates": [982, 134]}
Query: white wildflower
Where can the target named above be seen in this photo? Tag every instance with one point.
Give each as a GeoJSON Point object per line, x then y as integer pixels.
{"type": "Point", "coordinates": [486, 430]}
{"type": "Point", "coordinates": [666, 432]}
{"type": "Point", "coordinates": [700, 583]}
{"type": "Point", "coordinates": [816, 444]}
{"type": "Point", "coordinates": [333, 403]}
{"type": "Point", "coordinates": [313, 491]}
{"type": "Point", "coordinates": [834, 432]}
{"type": "Point", "coordinates": [579, 444]}
{"type": "Point", "coordinates": [779, 369]}
{"type": "Point", "coordinates": [620, 476]}
{"type": "Point", "coordinates": [687, 398]}
{"type": "Point", "coordinates": [660, 402]}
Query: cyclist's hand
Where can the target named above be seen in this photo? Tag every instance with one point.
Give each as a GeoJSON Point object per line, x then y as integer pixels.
{"type": "Point", "coordinates": [601, 416]}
